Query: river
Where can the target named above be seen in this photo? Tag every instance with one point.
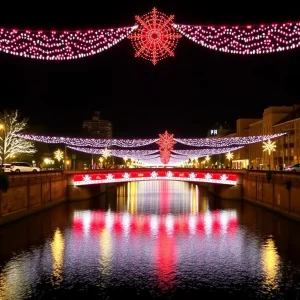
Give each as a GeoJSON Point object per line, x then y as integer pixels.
{"type": "Point", "coordinates": [151, 240]}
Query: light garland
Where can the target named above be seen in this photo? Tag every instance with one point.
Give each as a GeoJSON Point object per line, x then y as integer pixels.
{"type": "Point", "coordinates": [205, 152]}
{"type": "Point", "coordinates": [155, 37]}
{"type": "Point", "coordinates": [227, 142]}
{"type": "Point", "coordinates": [88, 142]}
{"type": "Point", "coordinates": [60, 45]}
{"type": "Point", "coordinates": [258, 39]}
{"type": "Point", "coordinates": [116, 152]}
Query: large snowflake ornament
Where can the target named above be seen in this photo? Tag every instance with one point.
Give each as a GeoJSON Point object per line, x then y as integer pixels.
{"type": "Point", "coordinates": [166, 141]}
{"type": "Point", "coordinates": [155, 37]}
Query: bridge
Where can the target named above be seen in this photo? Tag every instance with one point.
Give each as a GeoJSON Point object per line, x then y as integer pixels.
{"type": "Point", "coordinates": [89, 177]}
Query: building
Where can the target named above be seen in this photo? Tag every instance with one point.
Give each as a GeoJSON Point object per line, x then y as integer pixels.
{"type": "Point", "coordinates": [275, 119]}
{"type": "Point", "coordinates": [219, 130]}
{"type": "Point", "coordinates": [96, 127]}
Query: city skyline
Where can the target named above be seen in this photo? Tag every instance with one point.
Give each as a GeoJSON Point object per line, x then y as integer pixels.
{"type": "Point", "coordinates": [185, 95]}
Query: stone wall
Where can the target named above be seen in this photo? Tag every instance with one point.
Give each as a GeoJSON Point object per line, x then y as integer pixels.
{"type": "Point", "coordinates": [281, 193]}
{"type": "Point", "coordinates": [28, 194]}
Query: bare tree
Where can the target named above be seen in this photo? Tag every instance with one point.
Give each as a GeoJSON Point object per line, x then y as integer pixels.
{"type": "Point", "coordinates": [11, 145]}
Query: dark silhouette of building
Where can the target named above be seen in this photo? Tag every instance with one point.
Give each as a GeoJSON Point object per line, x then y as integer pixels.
{"type": "Point", "coordinates": [219, 130]}
{"type": "Point", "coordinates": [96, 127]}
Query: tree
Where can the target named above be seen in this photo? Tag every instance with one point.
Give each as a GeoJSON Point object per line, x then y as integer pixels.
{"type": "Point", "coordinates": [11, 145]}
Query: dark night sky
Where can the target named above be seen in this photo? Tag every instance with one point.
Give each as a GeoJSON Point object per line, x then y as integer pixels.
{"type": "Point", "coordinates": [185, 95]}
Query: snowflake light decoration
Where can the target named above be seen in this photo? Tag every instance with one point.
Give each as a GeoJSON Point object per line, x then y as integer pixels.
{"type": "Point", "coordinates": [106, 153]}
{"type": "Point", "coordinates": [59, 155]}
{"type": "Point", "coordinates": [154, 175]}
{"type": "Point", "coordinates": [229, 155]}
{"type": "Point", "coordinates": [170, 174]}
{"type": "Point", "coordinates": [86, 178]}
{"type": "Point", "coordinates": [126, 175]}
{"type": "Point", "coordinates": [208, 176]}
{"type": "Point", "coordinates": [192, 175]}
{"type": "Point", "coordinates": [223, 177]}
{"type": "Point", "coordinates": [155, 38]}
{"type": "Point", "coordinates": [110, 177]}
{"type": "Point", "coordinates": [269, 146]}
{"type": "Point", "coordinates": [166, 143]}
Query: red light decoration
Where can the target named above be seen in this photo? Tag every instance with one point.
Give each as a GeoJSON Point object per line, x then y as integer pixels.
{"type": "Point", "coordinates": [128, 175]}
{"type": "Point", "coordinates": [166, 143]}
{"type": "Point", "coordinates": [60, 45]}
{"type": "Point", "coordinates": [155, 37]}
{"type": "Point", "coordinates": [246, 40]}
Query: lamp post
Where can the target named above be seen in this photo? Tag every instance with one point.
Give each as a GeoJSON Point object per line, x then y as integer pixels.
{"type": "Point", "coordinates": [2, 129]}
{"type": "Point", "coordinates": [270, 147]}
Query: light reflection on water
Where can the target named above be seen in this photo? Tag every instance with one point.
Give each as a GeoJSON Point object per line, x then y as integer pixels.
{"type": "Point", "coordinates": [147, 239]}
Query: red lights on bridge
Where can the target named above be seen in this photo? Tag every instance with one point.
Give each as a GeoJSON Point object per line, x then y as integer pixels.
{"type": "Point", "coordinates": [128, 175]}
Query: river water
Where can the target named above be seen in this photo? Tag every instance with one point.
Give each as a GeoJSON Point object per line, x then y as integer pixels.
{"type": "Point", "coordinates": [151, 240]}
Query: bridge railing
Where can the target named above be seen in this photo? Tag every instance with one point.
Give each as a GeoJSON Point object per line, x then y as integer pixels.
{"type": "Point", "coordinates": [33, 175]}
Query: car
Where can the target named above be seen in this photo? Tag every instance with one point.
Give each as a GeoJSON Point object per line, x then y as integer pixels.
{"type": "Point", "coordinates": [5, 167]}
{"type": "Point", "coordinates": [293, 168]}
{"type": "Point", "coordinates": [23, 167]}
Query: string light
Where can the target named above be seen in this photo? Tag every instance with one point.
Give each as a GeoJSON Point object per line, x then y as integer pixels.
{"type": "Point", "coordinates": [60, 45]}
{"type": "Point", "coordinates": [205, 152]}
{"type": "Point", "coordinates": [155, 37]}
{"type": "Point", "coordinates": [141, 175]}
{"type": "Point", "coordinates": [88, 142]}
{"type": "Point", "coordinates": [227, 142]}
{"type": "Point", "coordinates": [257, 39]}
{"type": "Point", "coordinates": [116, 152]}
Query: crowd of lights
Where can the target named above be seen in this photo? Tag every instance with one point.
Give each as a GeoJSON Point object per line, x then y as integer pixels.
{"type": "Point", "coordinates": [60, 45]}
{"type": "Point", "coordinates": [155, 37]}
{"type": "Point", "coordinates": [207, 222]}
{"type": "Point", "coordinates": [128, 175]}
{"type": "Point", "coordinates": [247, 40]}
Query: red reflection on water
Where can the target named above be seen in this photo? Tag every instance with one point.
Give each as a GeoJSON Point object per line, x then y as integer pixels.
{"type": "Point", "coordinates": [216, 223]}
{"type": "Point", "coordinates": [165, 259]}
{"type": "Point", "coordinates": [164, 201]}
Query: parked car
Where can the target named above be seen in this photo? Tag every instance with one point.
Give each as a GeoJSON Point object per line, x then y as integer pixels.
{"type": "Point", "coordinates": [23, 167]}
{"type": "Point", "coordinates": [293, 168]}
{"type": "Point", "coordinates": [5, 167]}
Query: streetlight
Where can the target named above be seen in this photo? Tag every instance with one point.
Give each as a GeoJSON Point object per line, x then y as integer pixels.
{"type": "Point", "coordinates": [270, 147]}
{"type": "Point", "coordinates": [2, 129]}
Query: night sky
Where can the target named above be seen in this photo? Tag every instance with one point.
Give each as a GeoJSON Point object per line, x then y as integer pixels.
{"type": "Point", "coordinates": [185, 95]}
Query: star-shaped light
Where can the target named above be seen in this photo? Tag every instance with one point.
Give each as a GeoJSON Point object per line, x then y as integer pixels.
{"type": "Point", "coordinates": [269, 146]}
{"type": "Point", "coordinates": [106, 153]}
{"type": "Point", "coordinates": [58, 154]}
{"type": "Point", "coordinates": [229, 155]}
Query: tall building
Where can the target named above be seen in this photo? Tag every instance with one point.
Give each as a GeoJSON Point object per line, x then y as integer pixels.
{"type": "Point", "coordinates": [96, 127]}
{"type": "Point", "coordinates": [275, 119]}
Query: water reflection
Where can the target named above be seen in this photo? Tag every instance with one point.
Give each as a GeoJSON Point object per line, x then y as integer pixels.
{"type": "Point", "coordinates": [152, 239]}
{"type": "Point", "coordinates": [57, 247]}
